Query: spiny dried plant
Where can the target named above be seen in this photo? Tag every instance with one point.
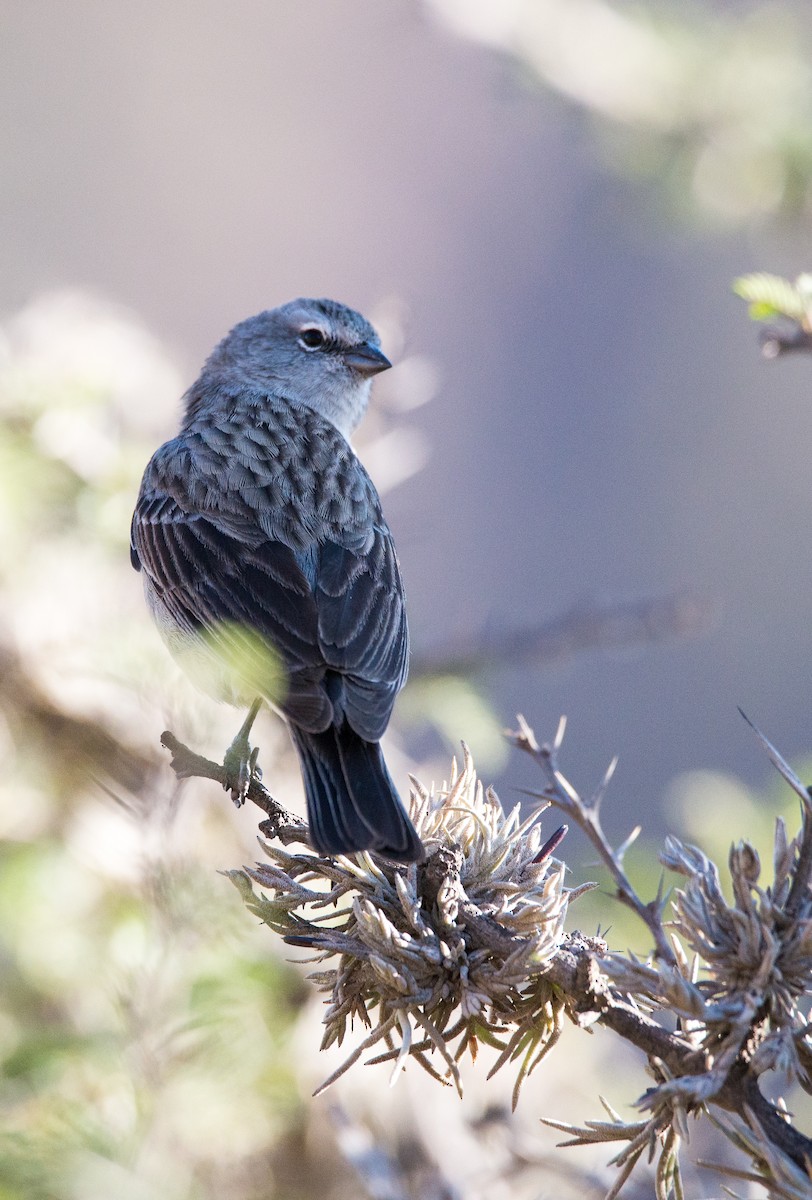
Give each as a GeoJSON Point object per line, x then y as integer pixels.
{"type": "Point", "coordinates": [469, 947]}
{"type": "Point", "coordinates": [433, 959]}
{"type": "Point", "coordinates": [738, 978]}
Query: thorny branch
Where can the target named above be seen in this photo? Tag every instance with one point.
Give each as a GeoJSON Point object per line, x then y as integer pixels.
{"type": "Point", "coordinates": [738, 1089]}
{"type": "Point", "coordinates": [586, 815]}
{"type": "Point", "coordinates": [585, 989]}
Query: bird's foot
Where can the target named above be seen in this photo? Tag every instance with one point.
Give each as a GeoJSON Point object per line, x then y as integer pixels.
{"type": "Point", "coordinates": [241, 769]}
{"type": "Point", "coordinates": [240, 762]}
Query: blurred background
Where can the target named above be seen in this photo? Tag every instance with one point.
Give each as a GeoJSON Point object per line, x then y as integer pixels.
{"type": "Point", "coordinates": [599, 492]}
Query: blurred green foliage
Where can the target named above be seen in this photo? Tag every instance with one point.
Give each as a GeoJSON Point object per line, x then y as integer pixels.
{"type": "Point", "coordinates": [143, 1022]}
{"type": "Point", "coordinates": [141, 1032]}
{"type": "Point", "coordinates": [771, 296]}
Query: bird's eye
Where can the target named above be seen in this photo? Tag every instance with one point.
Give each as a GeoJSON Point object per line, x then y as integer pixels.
{"type": "Point", "coordinates": [312, 339]}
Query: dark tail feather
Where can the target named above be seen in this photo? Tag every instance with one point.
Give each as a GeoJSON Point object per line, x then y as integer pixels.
{"type": "Point", "coordinates": [351, 800]}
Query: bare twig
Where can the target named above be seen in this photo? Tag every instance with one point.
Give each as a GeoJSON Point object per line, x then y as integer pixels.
{"type": "Point", "coordinates": [586, 814]}
{"type": "Point", "coordinates": [280, 823]}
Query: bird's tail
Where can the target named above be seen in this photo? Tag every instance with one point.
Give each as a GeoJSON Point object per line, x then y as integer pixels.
{"type": "Point", "coordinates": [351, 801]}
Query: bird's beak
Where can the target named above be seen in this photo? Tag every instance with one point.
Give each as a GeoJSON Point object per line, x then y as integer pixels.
{"type": "Point", "coordinates": [366, 359]}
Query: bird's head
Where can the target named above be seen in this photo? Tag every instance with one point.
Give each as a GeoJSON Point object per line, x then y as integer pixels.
{"type": "Point", "coordinates": [313, 352]}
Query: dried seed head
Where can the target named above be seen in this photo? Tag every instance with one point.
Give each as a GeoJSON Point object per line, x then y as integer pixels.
{"type": "Point", "coordinates": [436, 957]}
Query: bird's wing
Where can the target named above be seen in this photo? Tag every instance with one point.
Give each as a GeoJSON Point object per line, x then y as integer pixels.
{"type": "Point", "coordinates": [362, 626]}
{"type": "Point", "coordinates": [296, 551]}
{"type": "Point", "coordinates": [220, 578]}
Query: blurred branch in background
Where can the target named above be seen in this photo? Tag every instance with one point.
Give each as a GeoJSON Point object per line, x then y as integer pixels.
{"type": "Point", "coordinates": [770, 298]}
{"type": "Point", "coordinates": [446, 683]}
{"type": "Point", "coordinates": [715, 106]}
{"type": "Point", "coordinates": [71, 748]}
{"type": "Point", "coordinates": [585, 627]}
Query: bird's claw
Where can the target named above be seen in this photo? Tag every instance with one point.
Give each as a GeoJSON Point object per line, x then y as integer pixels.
{"type": "Point", "coordinates": [241, 768]}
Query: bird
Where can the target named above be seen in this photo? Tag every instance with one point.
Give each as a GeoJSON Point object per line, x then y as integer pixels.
{"type": "Point", "coordinates": [262, 545]}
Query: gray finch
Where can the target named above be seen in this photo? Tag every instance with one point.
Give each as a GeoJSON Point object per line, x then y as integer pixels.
{"type": "Point", "coordinates": [258, 526]}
